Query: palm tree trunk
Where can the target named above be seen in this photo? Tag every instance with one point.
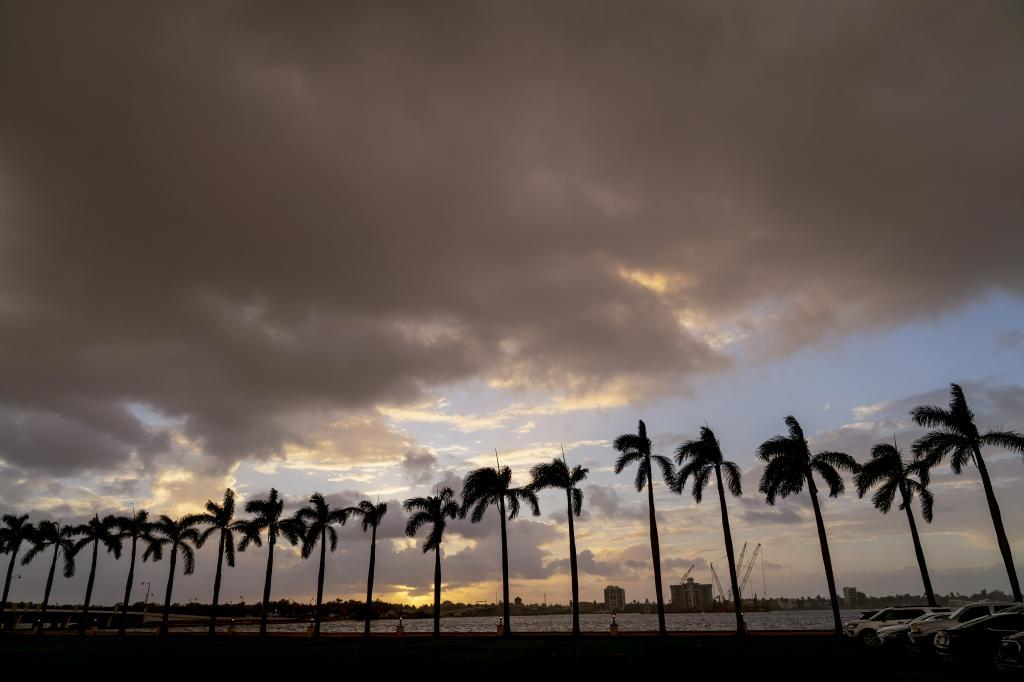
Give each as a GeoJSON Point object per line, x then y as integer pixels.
{"type": "Point", "coordinates": [930, 595]}
{"type": "Point", "coordinates": [49, 586]}
{"type": "Point", "coordinates": [997, 521]}
{"type": "Point", "coordinates": [825, 556]}
{"type": "Point", "coordinates": [437, 591]}
{"type": "Point", "coordinates": [320, 581]}
{"type": "Point", "coordinates": [737, 598]}
{"type": "Point", "coordinates": [574, 570]}
{"type": "Point", "coordinates": [10, 574]}
{"type": "Point", "coordinates": [505, 609]}
{"type": "Point", "coordinates": [266, 585]}
{"type": "Point", "coordinates": [655, 547]}
{"type": "Point", "coordinates": [369, 581]}
{"type": "Point", "coordinates": [127, 590]}
{"type": "Point", "coordinates": [88, 590]}
{"type": "Point", "coordinates": [216, 585]}
{"type": "Point", "coordinates": [165, 620]}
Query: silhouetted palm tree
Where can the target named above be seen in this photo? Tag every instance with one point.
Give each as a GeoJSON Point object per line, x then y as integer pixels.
{"type": "Point", "coordinates": [636, 449]}
{"type": "Point", "coordinates": [700, 458]}
{"type": "Point", "coordinates": [789, 466]}
{"type": "Point", "coordinates": [887, 470]}
{"type": "Point", "coordinates": [484, 487]}
{"type": "Point", "coordinates": [52, 534]}
{"type": "Point", "coordinates": [221, 519]}
{"type": "Point", "coordinates": [93, 533]}
{"type": "Point", "coordinates": [15, 530]}
{"type": "Point", "coordinates": [180, 535]}
{"type": "Point", "coordinates": [371, 514]}
{"type": "Point", "coordinates": [957, 436]}
{"type": "Point", "coordinates": [267, 517]}
{"type": "Point", "coordinates": [435, 510]}
{"type": "Point", "coordinates": [556, 474]}
{"type": "Point", "coordinates": [135, 527]}
{"type": "Point", "coordinates": [319, 520]}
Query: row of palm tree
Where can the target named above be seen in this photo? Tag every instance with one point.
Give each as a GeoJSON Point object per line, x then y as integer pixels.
{"type": "Point", "coordinates": [183, 536]}
{"type": "Point", "coordinates": [790, 466]}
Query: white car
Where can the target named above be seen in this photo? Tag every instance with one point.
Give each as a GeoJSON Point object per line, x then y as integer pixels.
{"type": "Point", "coordinates": [920, 635]}
{"type": "Point", "coordinates": [895, 633]}
{"type": "Point", "coordinates": [866, 629]}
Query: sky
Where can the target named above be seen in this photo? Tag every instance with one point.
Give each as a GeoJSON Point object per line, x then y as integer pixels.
{"type": "Point", "coordinates": [355, 248]}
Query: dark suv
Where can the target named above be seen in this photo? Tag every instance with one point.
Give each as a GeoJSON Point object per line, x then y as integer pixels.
{"type": "Point", "coordinates": [976, 641]}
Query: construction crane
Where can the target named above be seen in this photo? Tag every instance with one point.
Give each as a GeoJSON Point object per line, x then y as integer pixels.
{"type": "Point", "coordinates": [718, 583]}
{"type": "Point", "coordinates": [750, 567]}
{"type": "Point", "coordinates": [687, 574]}
{"type": "Point", "coordinates": [743, 552]}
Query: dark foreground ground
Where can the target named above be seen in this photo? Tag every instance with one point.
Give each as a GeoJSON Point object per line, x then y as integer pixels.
{"type": "Point", "coordinates": [453, 658]}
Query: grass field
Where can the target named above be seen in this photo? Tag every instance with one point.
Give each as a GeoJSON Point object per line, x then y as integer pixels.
{"type": "Point", "coordinates": [756, 658]}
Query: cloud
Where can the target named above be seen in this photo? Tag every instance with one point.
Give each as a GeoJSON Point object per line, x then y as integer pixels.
{"type": "Point", "coordinates": [418, 466]}
{"type": "Point", "coordinates": [605, 502]}
{"type": "Point", "coordinates": [1011, 339]}
{"type": "Point", "coordinates": [351, 206]}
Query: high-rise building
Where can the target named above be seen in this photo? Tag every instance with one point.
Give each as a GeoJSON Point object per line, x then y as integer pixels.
{"type": "Point", "coordinates": [853, 597]}
{"type": "Point", "coordinates": [690, 596]}
{"type": "Point", "coordinates": [614, 598]}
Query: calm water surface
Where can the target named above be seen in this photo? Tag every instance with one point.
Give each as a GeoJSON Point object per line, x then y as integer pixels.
{"type": "Point", "coordinates": [632, 622]}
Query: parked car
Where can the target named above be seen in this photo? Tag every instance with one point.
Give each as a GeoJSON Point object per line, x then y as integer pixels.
{"type": "Point", "coordinates": [866, 629]}
{"type": "Point", "coordinates": [977, 641]}
{"type": "Point", "coordinates": [899, 634]}
{"type": "Point", "coordinates": [1010, 655]}
{"type": "Point", "coordinates": [921, 634]}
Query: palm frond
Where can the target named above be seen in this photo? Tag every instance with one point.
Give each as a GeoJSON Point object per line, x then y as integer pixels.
{"type": "Point", "coordinates": [837, 460]}
{"type": "Point", "coordinates": [1011, 441]}
{"type": "Point", "coordinates": [733, 478]}
{"type": "Point", "coordinates": [667, 470]}
{"type": "Point", "coordinates": [931, 416]}
{"type": "Point", "coordinates": [577, 501]}
{"type": "Point", "coordinates": [699, 483]}
{"type": "Point", "coordinates": [835, 483]}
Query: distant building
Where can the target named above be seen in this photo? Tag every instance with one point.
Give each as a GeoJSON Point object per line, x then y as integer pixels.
{"type": "Point", "coordinates": [853, 597]}
{"type": "Point", "coordinates": [518, 601]}
{"type": "Point", "coordinates": [690, 596]}
{"type": "Point", "coordinates": [614, 598]}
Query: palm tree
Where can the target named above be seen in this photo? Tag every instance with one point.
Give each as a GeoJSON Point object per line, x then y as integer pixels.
{"type": "Point", "coordinates": [956, 435]}
{"type": "Point", "coordinates": [887, 470]}
{"type": "Point", "coordinates": [319, 519]}
{"type": "Point", "coordinates": [52, 534]}
{"type": "Point", "coordinates": [700, 458]}
{"type": "Point", "coordinates": [435, 510]}
{"type": "Point", "coordinates": [371, 514]}
{"type": "Point", "coordinates": [93, 533]}
{"type": "Point", "coordinates": [134, 527]}
{"type": "Point", "coordinates": [16, 529]}
{"type": "Point", "coordinates": [267, 516]}
{"type": "Point", "coordinates": [636, 448]}
{"type": "Point", "coordinates": [789, 466]}
{"type": "Point", "coordinates": [484, 487]}
{"type": "Point", "coordinates": [220, 518]}
{"type": "Point", "coordinates": [556, 474]}
{"type": "Point", "coordinates": [180, 535]}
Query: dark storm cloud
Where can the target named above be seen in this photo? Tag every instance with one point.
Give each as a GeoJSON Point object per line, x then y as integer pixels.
{"type": "Point", "coordinates": [235, 213]}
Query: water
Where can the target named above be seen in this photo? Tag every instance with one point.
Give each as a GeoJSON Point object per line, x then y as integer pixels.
{"type": "Point", "coordinates": [628, 622]}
